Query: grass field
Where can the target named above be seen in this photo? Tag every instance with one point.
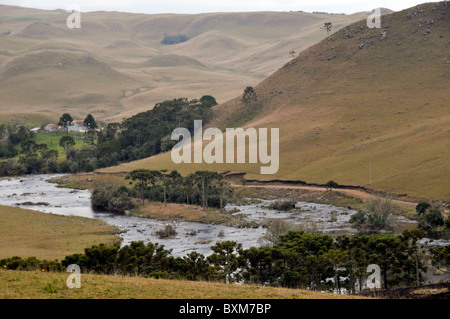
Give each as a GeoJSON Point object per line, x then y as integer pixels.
{"type": "Point", "coordinates": [27, 233]}
{"type": "Point", "coordinates": [52, 141]}
{"type": "Point", "coordinates": [115, 65]}
{"type": "Point", "coordinates": [45, 285]}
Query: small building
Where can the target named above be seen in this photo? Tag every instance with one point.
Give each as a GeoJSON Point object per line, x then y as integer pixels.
{"type": "Point", "coordinates": [77, 126]}
{"type": "Point", "coordinates": [36, 130]}
{"type": "Point", "coordinates": [51, 128]}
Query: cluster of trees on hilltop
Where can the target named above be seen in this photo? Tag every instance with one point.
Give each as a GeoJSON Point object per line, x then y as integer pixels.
{"type": "Point", "coordinates": [142, 135]}
{"type": "Point", "coordinates": [299, 260]}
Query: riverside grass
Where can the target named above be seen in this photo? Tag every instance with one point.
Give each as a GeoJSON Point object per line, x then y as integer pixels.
{"type": "Point", "coordinates": [27, 233]}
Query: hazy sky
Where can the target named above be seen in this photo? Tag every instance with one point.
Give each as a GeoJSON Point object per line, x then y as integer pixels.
{"type": "Point", "coordinates": [199, 6]}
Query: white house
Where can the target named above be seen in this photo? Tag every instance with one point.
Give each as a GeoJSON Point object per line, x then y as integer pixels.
{"type": "Point", "coordinates": [77, 126]}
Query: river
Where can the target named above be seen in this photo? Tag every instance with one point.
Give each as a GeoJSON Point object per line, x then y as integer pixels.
{"type": "Point", "coordinates": [36, 193]}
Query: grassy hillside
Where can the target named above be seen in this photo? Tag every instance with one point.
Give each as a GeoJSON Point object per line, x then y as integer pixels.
{"type": "Point", "coordinates": [21, 284]}
{"type": "Point", "coordinates": [28, 233]}
{"type": "Point", "coordinates": [359, 94]}
{"type": "Point", "coordinates": [43, 65]}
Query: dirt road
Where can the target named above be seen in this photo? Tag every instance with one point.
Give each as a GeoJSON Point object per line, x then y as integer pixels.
{"type": "Point", "coordinates": [351, 192]}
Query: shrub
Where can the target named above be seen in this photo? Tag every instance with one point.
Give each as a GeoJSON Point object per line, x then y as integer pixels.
{"type": "Point", "coordinates": [376, 216]}
{"type": "Point", "coordinates": [422, 207]}
{"type": "Point", "coordinates": [331, 184]}
{"type": "Point", "coordinates": [168, 232]}
{"type": "Point", "coordinates": [111, 197]}
{"type": "Point", "coordinates": [274, 232]}
{"type": "Point", "coordinates": [283, 204]}
{"type": "Point", "coordinates": [432, 218]}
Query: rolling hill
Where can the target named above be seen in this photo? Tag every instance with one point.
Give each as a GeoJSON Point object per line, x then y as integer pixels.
{"type": "Point", "coordinates": [360, 96]}
{"type": "Point", "coordinates": [132, 69]}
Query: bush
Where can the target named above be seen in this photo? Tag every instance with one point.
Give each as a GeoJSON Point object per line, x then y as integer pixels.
{"type": "Point", "coordinates": [432, 219]}
{"type": "Point", "coordinates": [283, 204]}
{"type": "Point", "coordinates": [274, 232]}
{"type": "Point", "coordinates": [30, 263]}
{"type": "Point", "coordinates": [111, 197]}
{"type": "Point", "coordinates": [422, 207]}
{"type": "Point", "coordinates": [375, 217]}
{"type": "Point", "coordinates": [331, 184]}
{"type": "Point", "coordinates": [168, 232]}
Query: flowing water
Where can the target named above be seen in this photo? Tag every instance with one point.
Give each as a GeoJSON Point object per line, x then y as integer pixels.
{"type": "Point", "coordinates": [35, 193]}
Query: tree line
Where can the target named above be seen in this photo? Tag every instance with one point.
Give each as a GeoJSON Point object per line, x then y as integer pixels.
{"type": "Point", "coordinates": [142, 135]}
{"type": "Point", "coordinates": [299, 260]}
{"type": "Point", "coordinates": [204, 188]}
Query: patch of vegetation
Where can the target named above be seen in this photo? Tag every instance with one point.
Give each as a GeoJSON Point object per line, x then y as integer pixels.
{"type": "Point", "coordinates": [276, 229]}
{"type": "Point", "coordinates": [111, 197]}
{"type": "Point", "coordinates": [375, 217]}
{"type": "Point", "coordinates": [168, 232]}
{"type": "Point", "coordinates": [283, 204]}
{"type": "Point", "coordinates": [431, 219]}
{"type": "Point", "coordinates": [204, 188]}
{"type": "Point", "coordinates": [174, 39]}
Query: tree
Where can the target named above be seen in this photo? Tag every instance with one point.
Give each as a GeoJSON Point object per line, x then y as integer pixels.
{"type": "Point", "coordinates": [422, 207]}
{"type": "Point", "coordinates": [208, 100]}
{"type": "Point", "coordinates": [327, 26]}
{"type": "Point", "coordinates": [196, 266]}
{"type": "Point", "coordinates": [89, 137]}
{"type": "Point", "coordinates": [65, 120]}
{"type": "Point", "coordinates": [163, 178]}
{"type": "Point", "coordinates": [66, 142]}
{"type": "Point", "coordinates": [143, 177]}
{"type": "Point", "coordinates": [90, 122]}
{"type": "Point", "coordinates": [225, 191]}
{"type": "Point", "coordinates": [204, 179]}
{"type": "Point", "coordinates": [249, 97]}
{"type": "Point", "coordinates": [292, 53]}
{"type": "Point", "coordinates": [432, 217]}
{"type": "Point", "coordinates": [376, 216]}
{"type": "Point", "coordinates": [226, 257]}
{"type": "Point", "coordinates": [330, 185]}
{"type": "Point", "coordinates": [337, 258]}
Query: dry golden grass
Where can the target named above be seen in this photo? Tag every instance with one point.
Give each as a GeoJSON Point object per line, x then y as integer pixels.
{"type": "Point", "coordinates": [233, 50]}
{"type": "Point", "coordinates": [88, 180]}
{"type": "Point", "coordinates": [337, 106]}
{"type": "Point", "coordinates": [43, 285]}
{"type": "Point", "coordinates": [26, 233]}
{"type": "Point", "coordinates": [184, 212]}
